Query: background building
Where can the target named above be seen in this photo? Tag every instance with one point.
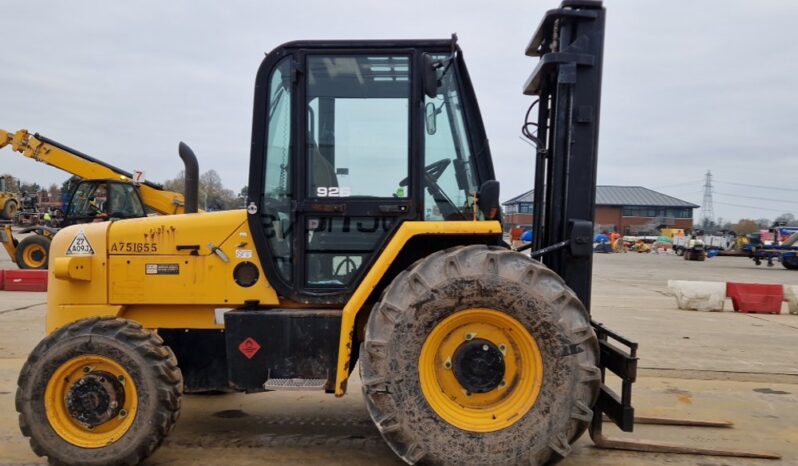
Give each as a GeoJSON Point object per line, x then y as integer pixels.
{"type": "Point", "coordinates": [625, 209]}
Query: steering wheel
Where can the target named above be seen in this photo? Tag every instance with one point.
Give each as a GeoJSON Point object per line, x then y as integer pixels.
{"type": "Point", "coordinates": [432, 171]}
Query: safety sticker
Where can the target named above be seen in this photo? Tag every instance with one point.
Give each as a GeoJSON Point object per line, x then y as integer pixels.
{"type": "Point", "coordinates": [80, 246]}
{"type": "Point", "coordinates": [243, 253]}
{"type": "Point", "coordinates": [249, 347]}
{"type": "Point", "coordinates": [162, 269]}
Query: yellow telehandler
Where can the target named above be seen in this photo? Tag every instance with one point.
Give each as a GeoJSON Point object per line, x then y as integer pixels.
{"type": "Point", "coordinates": [105, 192]}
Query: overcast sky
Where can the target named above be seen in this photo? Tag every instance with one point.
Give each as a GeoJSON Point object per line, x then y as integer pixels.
{"type": "Point", "coordinates": [688, 86]}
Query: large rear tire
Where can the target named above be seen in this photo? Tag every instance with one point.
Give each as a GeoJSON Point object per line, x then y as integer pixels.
{"type": "Point", "coordinates": [100, 391]}
{"type": "Point", "coordinates": [33, 252]}
{"type": "Point", "coordinates": [433, 401]}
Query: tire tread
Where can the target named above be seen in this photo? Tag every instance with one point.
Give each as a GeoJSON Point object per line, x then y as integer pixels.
{"type": "Point", "coordinates": [146, 344]}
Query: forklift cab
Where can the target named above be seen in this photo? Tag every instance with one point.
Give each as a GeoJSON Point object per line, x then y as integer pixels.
{"type": "Point", "coordinates": [350, 139]}
{"type": "Point", "coordinates": [101, 200]}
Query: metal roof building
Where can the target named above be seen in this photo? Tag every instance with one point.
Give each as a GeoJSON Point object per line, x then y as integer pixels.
{"type": "Point", "coordinates": [620, 196]}
{"type": "Point", "coordinates": [626, 209]}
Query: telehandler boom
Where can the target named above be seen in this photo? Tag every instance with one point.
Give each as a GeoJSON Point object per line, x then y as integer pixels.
{"type": "Point", "coordinates": [105, 192]}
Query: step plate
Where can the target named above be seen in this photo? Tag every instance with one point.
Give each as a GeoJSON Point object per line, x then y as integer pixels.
{"type": "Point", "coordinates": [295, 385]}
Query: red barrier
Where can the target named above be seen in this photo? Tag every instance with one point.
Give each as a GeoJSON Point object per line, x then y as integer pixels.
{"type": "Point", "coordinates": [2, 280]}
{"type": "Point", "coordinates": [25, 280]}
{"type": "Point", "coordinates": [755, 298]}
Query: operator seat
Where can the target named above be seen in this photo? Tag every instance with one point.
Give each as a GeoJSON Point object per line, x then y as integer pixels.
{"type": "Point", "coordinates": [322, 172]}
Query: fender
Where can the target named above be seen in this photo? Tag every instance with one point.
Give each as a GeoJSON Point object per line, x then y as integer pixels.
{"type": "Point", "coordinates": [355, 304]}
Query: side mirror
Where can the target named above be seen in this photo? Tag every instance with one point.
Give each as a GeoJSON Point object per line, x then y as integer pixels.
{"type": "Point", "coordinates": [430, 77]}
{"type": "Point", "coordinates": [488, 200]}
{"type": "Point", "coordinates": [431, 118]}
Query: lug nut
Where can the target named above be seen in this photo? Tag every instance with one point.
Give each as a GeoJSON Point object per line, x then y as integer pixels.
{"type": "Point", "coordinates": [86, 369]}
{"type": "Point", "coordinates": [470, 336]}
{"type": "Point", "coordinates": [503, 348]}
{"type": "Point", "coordinates": [122, 413]}
{"type": "Point", "coordinates": [502, 384]}
{"type": "Point", "coordinates": [485, 347]}
{"type": "Point", "coordinates": [120, 378]}
{"type": "Point", "coordinates": [448, 363]}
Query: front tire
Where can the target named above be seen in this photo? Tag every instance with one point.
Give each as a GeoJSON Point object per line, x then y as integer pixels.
{"type": "Point", "coordinates": [528, 411]}
{"type": "Point", "coordinates": [32, 252]}
{"type": "Point", "coordinates": [100, 391]}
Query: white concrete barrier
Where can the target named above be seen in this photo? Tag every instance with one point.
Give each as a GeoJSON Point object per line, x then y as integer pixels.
{"type": "Point", "coordinates": [791, 296]}
{"type": "Point", "coordinates": [698, 296]}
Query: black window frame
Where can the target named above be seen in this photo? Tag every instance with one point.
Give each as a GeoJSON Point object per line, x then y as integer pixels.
{"type": "Point", "coordinates": [476, 136]}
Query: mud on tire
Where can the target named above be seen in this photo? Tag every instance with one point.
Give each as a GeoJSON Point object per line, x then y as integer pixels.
{"type": "Point", "coordinates": [150, 363]}
{"type": "Point", "coordinates": [479, 277]}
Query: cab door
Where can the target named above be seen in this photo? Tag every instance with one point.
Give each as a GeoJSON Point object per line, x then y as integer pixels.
{"type": "Point", "coordinates": [355, 176]}
{"type": "Point", "coordinates": [337, 176]}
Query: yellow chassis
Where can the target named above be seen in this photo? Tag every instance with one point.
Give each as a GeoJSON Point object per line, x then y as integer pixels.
{"type": "Point", "coordinates": [114, 283]}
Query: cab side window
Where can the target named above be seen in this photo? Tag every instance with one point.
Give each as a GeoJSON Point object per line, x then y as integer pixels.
{"type": "Point", "coordinates": [277, 195]}
{"type": "Point", "coordinates": [89, 201]}
{"type": "Point", "coordinates": [358, 125]}
{"type": "Point", "coordinates": [124, 202]}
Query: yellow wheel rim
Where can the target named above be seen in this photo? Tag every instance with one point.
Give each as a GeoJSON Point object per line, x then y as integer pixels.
{"type": "Point", "coordinates": [494, 409]}
{"type": "Point", "coordinates": [35, 255]}
{"type": "Point", "coordinates": [65, 386]}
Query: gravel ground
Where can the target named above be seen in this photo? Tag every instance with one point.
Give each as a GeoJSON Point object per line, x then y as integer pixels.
{"type": "Point", "coordinates": [730, 366]}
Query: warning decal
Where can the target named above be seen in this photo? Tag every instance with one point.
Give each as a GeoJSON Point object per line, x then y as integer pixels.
{"type": "Point", "coordinates": [162, 269]}
{"type": "Point", "coordinates": [243, 253]}
{"type": "Point", "coordinates": [249, 347]}
{"type": "Point", "coordinates": [80, 246]}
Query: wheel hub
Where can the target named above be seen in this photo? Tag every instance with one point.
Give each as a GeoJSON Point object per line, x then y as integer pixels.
{"type": "Point", "coordinates": [94, 399]}
{"type": "Point", "coordinates": [480, 370]}
{"type": "Point", "coordinates": [479, 366]}
{"type": "Point", "coordinates": [91, 401]}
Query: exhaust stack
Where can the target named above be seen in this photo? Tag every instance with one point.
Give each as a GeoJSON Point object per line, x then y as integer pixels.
{"type": "Point", "coordinates": [192, 178]}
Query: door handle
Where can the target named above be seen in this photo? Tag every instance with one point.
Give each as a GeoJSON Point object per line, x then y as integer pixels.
{"type": "Point", "coordinates": [322, 208]}
{"type": "Point", "coordinates": [393, 208]}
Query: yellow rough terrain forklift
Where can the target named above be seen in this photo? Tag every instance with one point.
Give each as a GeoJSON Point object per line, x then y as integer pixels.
{"type": "Point", "coordinates": [372, 236]}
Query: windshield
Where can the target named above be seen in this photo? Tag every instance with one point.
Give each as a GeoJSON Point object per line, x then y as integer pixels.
{"type": "Point", "coordinates": [103, 200]}
{"type": "Point", "coordinates": [447, 152]}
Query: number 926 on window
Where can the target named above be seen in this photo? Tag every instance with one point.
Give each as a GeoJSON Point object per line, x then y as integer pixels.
{"type": "Point", "coordinates": [333, 191]}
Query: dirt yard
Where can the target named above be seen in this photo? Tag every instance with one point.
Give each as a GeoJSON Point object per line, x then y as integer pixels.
{"type": "Point", "coordinates": [724, 366]}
